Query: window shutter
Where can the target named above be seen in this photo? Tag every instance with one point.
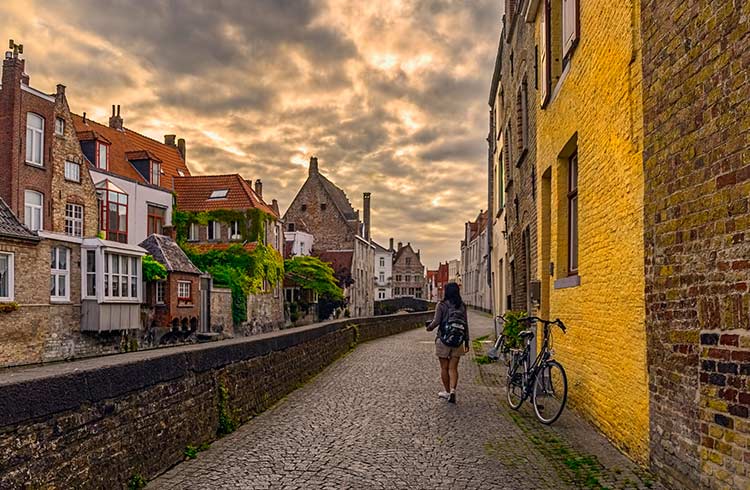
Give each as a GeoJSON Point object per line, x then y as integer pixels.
{"type": "Point", "coordinates": [544, 51]}
{"type": "Point", "coordinates": [570, 25]}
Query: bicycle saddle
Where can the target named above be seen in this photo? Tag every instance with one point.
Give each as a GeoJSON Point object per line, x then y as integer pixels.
{"type": "Point", "coordinates": [525, 333]}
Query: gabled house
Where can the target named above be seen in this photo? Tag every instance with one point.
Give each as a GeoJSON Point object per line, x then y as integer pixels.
{"type": "Point", "coordinates": [323, 210]}
{"type": "Point", "coordinates": [236, 196]}
{"type": "Point", "coordinates": [408, 272]}
{"type": "Point", "coordinates": [133, 175]}
{"type": "Point", "coordinates": [180, 301]}
{"type": "Point", "coordinates": [383, 271]}
{"type": "Point", "coordinates": [475, 286]}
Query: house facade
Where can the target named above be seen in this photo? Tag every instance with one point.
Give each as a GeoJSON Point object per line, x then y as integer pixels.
{"type": "Point", "coordinates": [408, 273]}
{"type": "Point", "coordinates": [431, 286]}
{"type": "Point", "coordinates": [475, 287]}
{"type": "Point", "coordinates": [323, 210]}
{"type": "Point", "coordinates": [383, 271]}
{"type": "Point", "coordinates": [236, 197]}
{"type": "Point", "coordinates": [69, 288]}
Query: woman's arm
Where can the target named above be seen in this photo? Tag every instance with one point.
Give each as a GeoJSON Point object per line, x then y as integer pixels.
{"type": "Point", "coordinates": [438, 318]}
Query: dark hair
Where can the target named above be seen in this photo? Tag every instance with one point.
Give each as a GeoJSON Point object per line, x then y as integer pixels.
{"type": "Point", "coordinates": [453, 294]}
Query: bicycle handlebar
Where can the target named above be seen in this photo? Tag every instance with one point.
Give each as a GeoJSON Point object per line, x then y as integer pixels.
{"type": "Point", "coordinates": [530, 319]}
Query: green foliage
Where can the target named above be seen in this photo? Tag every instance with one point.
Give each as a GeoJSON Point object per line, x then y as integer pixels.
{"type": "Point", "coordinates": [241, 271]}
{"type": "Point", "coordinates": [8, 307]}
{"type": "Point", "coordinates": [227, 419]}
{"type": "Point", "coordinates": [312, 273]}
{"type": "Point", "coordinates": [513, 327]}
{"type": "Point", "coordinates": [252, 222]}
{"type": "Point", "coordinates": [136, 482]}
{"type": "Point", "coordinates": [153, 270]}
{"type": "Point", "coordinates": [190, 452]}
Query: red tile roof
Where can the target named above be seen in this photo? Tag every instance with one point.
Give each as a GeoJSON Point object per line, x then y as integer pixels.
{"type": "Point", "coordinates": [193, 194]}
{"type": "Point", "coordinates": [126, 141]}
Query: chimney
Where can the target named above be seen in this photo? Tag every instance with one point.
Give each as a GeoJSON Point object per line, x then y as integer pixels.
{"type": "Point", "coordinates": [275, 206]}
{"type": "Point", "coordinates": [313, 165]}
{"type": "Point", "coordinates": [391, 246]}
{"type": "Point", "coordinates": [366, 198]}
{"type": "Point", "coordinates": [400, 246]}
{"type": "Point", "coordinates": [259, 188]}
{"type": "Point", "coordinates": [115, 121]}
{"type": "Point", "coordinates": [169, 139]}
{"type": "Point", "coordinates": [181, 148]}
{"type": "Point", "coordinates": [60, 89]}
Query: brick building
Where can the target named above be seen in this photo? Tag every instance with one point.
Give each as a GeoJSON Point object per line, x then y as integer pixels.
{"type": "Point", "coordinates": [323, 210]}
{"type": "Point", "coordinates": [441, 279]}
{"type": "Point", "coordinates": [201, 193]}
{"type": "Point", "coordinates": [696, 98]}
{"type": "Point", "coordinates": [408, 272]}
{"type": "Point", "coordinates": [475, 288]}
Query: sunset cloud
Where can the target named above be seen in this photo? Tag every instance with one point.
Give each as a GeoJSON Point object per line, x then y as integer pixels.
{"type": "Point", "coordinates": [390, 95]}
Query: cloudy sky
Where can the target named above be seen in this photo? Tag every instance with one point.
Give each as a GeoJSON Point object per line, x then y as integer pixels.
{"type": "Point", "coordinates": [390, 95]}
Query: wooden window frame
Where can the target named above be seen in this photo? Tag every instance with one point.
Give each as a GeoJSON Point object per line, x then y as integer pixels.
{"type": "Point", "coordinates": [116, 234]}
{"type": "Point", "coordinates": [99, 145]}
{"type": "Point", "coordinates": [573, 203]}
{"type": "Point", "coordinates": [545, 84]}
{"type": "Point", "coordinates": [57, 273]}
{"type": "Point", "coordinates": [154, 219]}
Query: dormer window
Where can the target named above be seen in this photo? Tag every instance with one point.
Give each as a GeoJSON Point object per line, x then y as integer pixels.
{"type": "Point", "coordinates": [219, 194]}
{"type": "Point", "coordinates": [155, 173]}
{"type": "Point", "coordinates": [102, 155]}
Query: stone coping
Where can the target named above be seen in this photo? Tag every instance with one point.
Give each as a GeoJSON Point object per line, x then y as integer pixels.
{"type": "Point", "coordinates": [40, 391]}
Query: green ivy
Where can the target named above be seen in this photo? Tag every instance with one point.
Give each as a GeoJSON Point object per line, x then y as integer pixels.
{"type": "Point", "coordinates": [153, 270]}
{"type": "Point", "coordinates": [228, 422]}
{"type": "Point", "coordinates": [252, 222]}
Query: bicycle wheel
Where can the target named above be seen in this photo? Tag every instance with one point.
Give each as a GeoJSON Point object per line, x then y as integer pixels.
{"type": "Point", "coordinates": [514, 388]}
{"type": "Point", "coordinates": [550, 392]}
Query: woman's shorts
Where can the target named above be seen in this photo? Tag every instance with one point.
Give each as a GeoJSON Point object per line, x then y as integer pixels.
{"type": "Point", "coordinates": [444, 352]}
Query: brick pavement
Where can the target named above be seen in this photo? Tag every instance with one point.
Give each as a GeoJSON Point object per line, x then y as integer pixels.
{"type": "Point", "coordinates": [373, 420]}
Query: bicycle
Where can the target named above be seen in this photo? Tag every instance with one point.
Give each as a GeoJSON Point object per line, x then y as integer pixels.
{"type": "Point", "coordinates": [544, 381]}
{"type": "Point", "coordinates": [501, 348]}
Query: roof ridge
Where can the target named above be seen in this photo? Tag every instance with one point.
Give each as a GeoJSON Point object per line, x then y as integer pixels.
{"type": "Point", "coordinates": [124, 129]}
{"type": "Point", "coordinates": [161, 247]}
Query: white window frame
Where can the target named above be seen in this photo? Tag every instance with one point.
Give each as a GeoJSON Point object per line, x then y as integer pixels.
{"type": "Point", "coordinates": [219, 194]}
{"type": "Point", "coordinates": [160, 290]}
{"type": "Point", "coordinates": [57, 273]}
{"type": "Point", "coordinates": [104, 165]}
{"type": "Point", "coordinates": [11, 272]}
{"type": "Point", "coordinates": [189, 285]}
{"type": "Point", "coordinates": [88, 257]}
{"type": "Point", "coordinates": [34, 141]}
{"type": "Point", "coordinates": [155, 173]}
{"type": "Point", "coordinates": [72, 171]}
{"type": "Point", "coordinates": [59, 126]}
{"type": "Point", "coordinates": [131, 277]}
{"type": "Point", "coordinates": [193, 232]}
{"type": "Point", "coordinates": [234, 230]}
{"type": "Point", "coordinates": [382, 261]}
{"type": "Point", "coordinates": [32, 211]}
{"type": "Point", "coordinates": [73, 220]}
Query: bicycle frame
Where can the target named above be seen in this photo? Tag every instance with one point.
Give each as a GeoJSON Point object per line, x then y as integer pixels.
{"type": "Point", "coordinates": [529, 374]}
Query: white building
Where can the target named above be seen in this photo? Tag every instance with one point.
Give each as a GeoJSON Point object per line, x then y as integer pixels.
{"type": "Point", "coordinates": [475, 286]}
{"type": "Point", "coordinates": [298, 243]}
{"type": "Point", "coordinates": [383, 272]}
{"type": "Point", "coordinates": [454, 271]}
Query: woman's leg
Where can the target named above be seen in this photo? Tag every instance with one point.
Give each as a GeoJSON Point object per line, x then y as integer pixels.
{"type": "Point", "coordinates": [453, 372]}
{"type": "Point", "coordinates": [444, 376]}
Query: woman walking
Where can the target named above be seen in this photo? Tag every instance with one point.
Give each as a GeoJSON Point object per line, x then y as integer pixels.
{"type": "Point", "coordinates": [452, 340]}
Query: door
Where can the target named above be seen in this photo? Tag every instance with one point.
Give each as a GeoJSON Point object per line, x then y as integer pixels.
{"type": "Point", "coordinates": [205, 323]}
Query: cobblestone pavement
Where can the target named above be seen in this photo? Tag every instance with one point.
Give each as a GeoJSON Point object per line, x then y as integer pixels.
{"type": "Point", "coordinates": [373, 420]}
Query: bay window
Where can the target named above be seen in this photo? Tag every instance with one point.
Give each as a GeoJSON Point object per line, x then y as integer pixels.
{"type": "Point", "coordinates": [120, 276]}
{"type": "Point", "coordinates": [114, 212]}
{"type": "Point", "coordinates": [90, 268]}
{"type": "Point", "coordinates": [60, 274]}
{"type": "Point", "coordinates": [34, 139]}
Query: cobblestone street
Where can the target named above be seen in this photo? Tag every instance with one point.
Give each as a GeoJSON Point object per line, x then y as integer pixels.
{"type": "Point", "coordinates": [373, 420]}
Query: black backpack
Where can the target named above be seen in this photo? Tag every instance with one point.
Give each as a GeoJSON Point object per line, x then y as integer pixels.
{"type": "Point", "coordinates": [452, 330]}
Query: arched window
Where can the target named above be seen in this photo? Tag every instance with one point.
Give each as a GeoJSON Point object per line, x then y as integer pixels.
{"type": "Point", "coordinates": [34, 139]}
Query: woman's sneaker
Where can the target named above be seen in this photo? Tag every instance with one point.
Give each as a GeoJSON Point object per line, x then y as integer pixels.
{"type": "Point", "coordinates": [452, 397]}
{"type": "Point", "coordinates": [444, 394]}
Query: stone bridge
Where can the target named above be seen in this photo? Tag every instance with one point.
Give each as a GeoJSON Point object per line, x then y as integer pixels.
{"type": "Point", "coordinates": [370, 419]}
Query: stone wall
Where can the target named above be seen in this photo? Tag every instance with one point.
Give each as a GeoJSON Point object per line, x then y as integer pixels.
{"type": "Point", "coordinates": [265, 312]}
{"type": "Point", "coordinates": [697, 224]}
{"type": "Point", "coordinates": [221, 311]}
{"type": "Point", "coordinates": [98, 422]}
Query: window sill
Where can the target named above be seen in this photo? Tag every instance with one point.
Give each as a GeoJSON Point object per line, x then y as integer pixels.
{"type": "Point", "coordinates": [568, 282]}
{"type": "Point", "coordinates": [73, 181]}
{"type": "Point", "coordinates": [60, 301]}
{"type": "Point", "coordinates": [36, 165]}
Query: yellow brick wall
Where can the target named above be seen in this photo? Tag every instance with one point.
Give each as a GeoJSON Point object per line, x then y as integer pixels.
{"type": "Point", "coordinates": [599, 100]}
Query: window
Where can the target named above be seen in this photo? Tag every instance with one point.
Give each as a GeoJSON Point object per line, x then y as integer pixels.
{"type": "Point", "coordinates": [523, 119]}
{"type": "Point", "coordinates": [573, 214]}
{"type": "Point", "coordinates": [160, 292]}
{"type": "Point", "coordinates": [90, 274]}
{"type": "Point", "coordinates": [74, 219]}
{"type": "Point", "coordinates": [59, 126]}
{"type": "Point", "coordinates": [120, 276]}
{"type": "Point", "coordinates": [323, 206]}
{"type": "Point", "coordinates": [193, 232]}
{"type": "Point", "coordinates": [114, 217]}
{"type": "Point", "coordinates": [381, 277]}
{"type": "Point", "coordinates": [304, 208]}
{"type": "Point", "coordinates": [220, 194]}
{"type": "Point", "coordinates": [34, 139]}
{"type": "Point", "coordinates": [570, 28]}
{"type": "Point", "coordinates": [6, 276]}
{"type": "Point", "coordinates": [156, 216]}
{"type": "Point", "coordinates": [398, 277]}
{"type": "Point", "coordinates": [60, 274]}
{"type": "Point", "coordinates": [102, 158]}
{"type": "Point", "coordinates": [33, 215]}
{"type": "Point", "coordinates": [180, 172]}
{"type": "Point", "coordinates": [290, 227]}
{"type": "Point", "coordinates": [382, 261]}
{"type": "Point", "coordinates": [155, 173]}
{"type": "Point", "coordinates": [183, 291]}
{"type": "Point", "coordinates": [72, 171]}
{"type": "Point", "coordinates": [234, 230]}
{"type": "Point", "coordinates": [214, 232]}
{"type": "Point", "coordinates": [408, 260]}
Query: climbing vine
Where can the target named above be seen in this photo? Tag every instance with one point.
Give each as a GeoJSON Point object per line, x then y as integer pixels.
{"type": "Point", "coordinates": [153, 270]}
{"type": "Point", "coordinates": [252, 222]}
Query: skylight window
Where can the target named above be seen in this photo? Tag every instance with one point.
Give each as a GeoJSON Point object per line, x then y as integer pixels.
{"type": "Point", "coordinates": [180, 173]}
{"type": "Point", "coordinates": [220, 194]}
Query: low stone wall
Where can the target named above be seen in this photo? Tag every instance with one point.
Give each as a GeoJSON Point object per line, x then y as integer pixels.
{"type": "Point", "coordinates": [96, 423]}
